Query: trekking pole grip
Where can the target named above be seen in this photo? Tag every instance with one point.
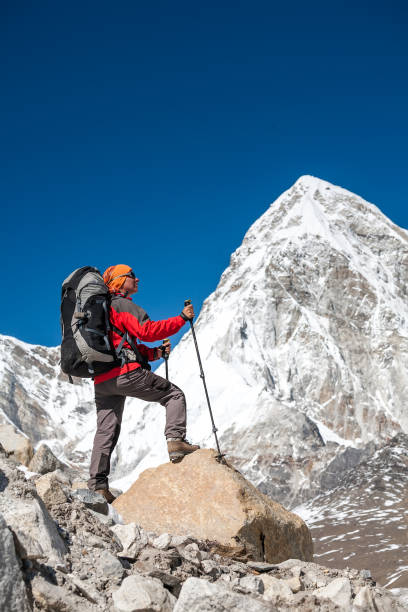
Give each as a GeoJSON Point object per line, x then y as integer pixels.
{"type": "Point", "coordinates": [166, 341]}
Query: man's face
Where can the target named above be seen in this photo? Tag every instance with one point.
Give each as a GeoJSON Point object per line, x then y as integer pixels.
{"type": "Point", "coordinates": [130, 285]}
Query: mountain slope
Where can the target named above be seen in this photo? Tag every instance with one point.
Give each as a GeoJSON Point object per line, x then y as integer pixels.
{"type": "Point", "coordinates": [362, 523]}
{"type": "Point", "coordinates": [304, 344]}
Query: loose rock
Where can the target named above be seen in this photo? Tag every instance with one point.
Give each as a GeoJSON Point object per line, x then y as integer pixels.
{"type": "Point", "coordinates": [364, 601]}
{"type": "Point", "coordinates": [162, 542]}
{"type": "Point", "coordinates": [109, 566]}
{"type": "Point", "coordinates": [132, 538]}
{"type": "Point", "coordinates": [54, 598]}
{"type": "Point", "coordinates": [199, 595]}
{"type": "Point", "coordinates": [91, 500]}
{"type": "Point", "coordinates": [16, 444]}
{"type": "Point", "coordinates": [13, 596]}
{"type": "Point", "coordinates": [27, 516]}
{"type": "Point", "coordinates": [192, 553]}
{"type": "Point", "coordinates": [45, 461]}
{"type": "Point", "coordinates": [251, 584]}
{"type": "Point", "coordinates": [50, 490]}
{"type": "Point", "coordinates": [143, 594]}
{"type": "Point", "coordinates": [338, 591]}
{"type": "Point", "coordinates": [277, 590]}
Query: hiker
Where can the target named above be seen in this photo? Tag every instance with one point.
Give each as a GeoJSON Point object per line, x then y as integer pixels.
{"type": "Point", "coordinates": [133, 378]}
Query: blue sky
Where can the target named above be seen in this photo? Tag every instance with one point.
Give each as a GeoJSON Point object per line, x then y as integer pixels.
{"type": "Point", "coordinates": [154, 134]}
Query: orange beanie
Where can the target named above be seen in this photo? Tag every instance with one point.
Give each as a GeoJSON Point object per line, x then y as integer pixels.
{"type": "Point", "coordinates": [115, 276]}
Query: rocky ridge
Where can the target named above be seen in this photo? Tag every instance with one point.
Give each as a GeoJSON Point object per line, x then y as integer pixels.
{"type": "Point", "coordinates": [84, 560]}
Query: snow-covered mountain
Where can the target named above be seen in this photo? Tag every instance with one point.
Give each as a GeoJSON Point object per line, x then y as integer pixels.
{"type": "Point", "coordinates": [304, 344]}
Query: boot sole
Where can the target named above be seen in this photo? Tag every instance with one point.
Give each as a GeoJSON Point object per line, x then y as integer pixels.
{"type": "Point", "coordinates": [176, 457]}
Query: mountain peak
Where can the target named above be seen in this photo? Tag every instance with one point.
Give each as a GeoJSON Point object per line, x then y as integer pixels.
{"type": "Point", "coordinates": [309, 181]}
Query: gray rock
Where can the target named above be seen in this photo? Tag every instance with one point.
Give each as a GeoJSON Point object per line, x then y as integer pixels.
{"type": "Point", "coordinates": [210, 568]}
{"type": "Point", "coordinates": [132, 538]}
{"type": "Point", "coordinates": [91, 500]}
{"type": "Point", "coordinates": [239, 568]}
{"type": "Point", "coordinates": [312, 579]}
{"type": "Point", "coordinates": [50, 490]}
{"type": "Point", "coordinates": [338, 591]}
{"type": "Point", "coordinates": [180, 540]}
{"type": "Point", "coordinates": [62, 476]}
{"type": "Point", "coordinates": [13, 596]}
{"type": "Point", "coordinates": [366, 574]}
{"type": "Point", "coordinates": [85, 589]}
{"type": "Point", "coordinates": [163, 541]}
{"type": "Point", "coordinates": [401, 595]}
{"type": "Point", "coordinates": [339, 465]}
{"type": "Point", "coordinates": [192, 553]}
{"type": "Point", "coordinates": [29, 519]}
{"type": "Point", "coordinates": [294, 584]}
{"type": "Point", "coordinates": [54, 598]}
{"type": "Point", "coordinates": [259, 566]}
{"type": "Point", "coordinates": [142, 594]}
{"type": "Point", "coordinates": [45, 461]}
{"type": "Point", "coordinates": [385, 602]}
{"type": "Point", "coordinates": [277, 590]}
{"type": "Point", "coordinates": [251, 584]}
{"type": "Point", "coordinates": [170, 581]}
{"type": "Point", "coordinates": [16, 444]}
{"type": "Point", "coordinates": [232, 581]}
{"type": "Point", "coordinates": [94, 541]}
{"type": "Point", "coordinates": [364, 601]}
{"type": "Point", "coordinates": [26, 546]}
{"type": "Point", "coordinates": [203, 596]}
{"type": "Point", "coordinates": [108, 565]}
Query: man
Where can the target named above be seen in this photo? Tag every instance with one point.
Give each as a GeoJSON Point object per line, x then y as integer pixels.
{"type": "Point", "coordinates": [133, 378]}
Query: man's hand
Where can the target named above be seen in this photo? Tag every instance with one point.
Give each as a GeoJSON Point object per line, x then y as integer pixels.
{"type": "Point", "coordinates": [188, 312]}
{"type": "Point", "coordinates": [166, 348]}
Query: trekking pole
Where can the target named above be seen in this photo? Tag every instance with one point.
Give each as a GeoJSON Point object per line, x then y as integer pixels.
{"type": "Point", "coordinates": [220, 455]}
{"type": "Point", "coordinates": [166, 356]}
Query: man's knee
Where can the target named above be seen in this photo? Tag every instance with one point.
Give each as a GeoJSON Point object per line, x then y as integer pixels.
{"type": "Point", "coordinates": [175, 394]}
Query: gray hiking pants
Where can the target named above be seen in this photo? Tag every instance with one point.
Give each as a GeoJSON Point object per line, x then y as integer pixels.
{"type": "Point", "coordinates": [110, 399]}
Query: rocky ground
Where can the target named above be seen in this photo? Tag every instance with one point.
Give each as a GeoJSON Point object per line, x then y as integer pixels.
{"type": "Point", "coordinates": [63, 549]}
{"type": "Point", "coordinates": [363, 521]}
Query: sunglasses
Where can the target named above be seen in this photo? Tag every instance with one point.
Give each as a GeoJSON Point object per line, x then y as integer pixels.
{"type": "Point", "coordinates": [130, 274]}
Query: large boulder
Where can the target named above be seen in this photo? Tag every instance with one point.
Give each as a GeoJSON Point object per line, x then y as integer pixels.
{"type": "Point", "coordinates": [212, 501]}
{"type": "Point", "coordinates": [16, 444]}
{"type": "Point", "coordinates": [27, 517]}
{"type": "Point", "coordinates": [13, 595]}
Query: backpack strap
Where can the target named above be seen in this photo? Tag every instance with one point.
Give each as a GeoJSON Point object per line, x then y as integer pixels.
{"type": "Point", "coordinates": [122, 355]}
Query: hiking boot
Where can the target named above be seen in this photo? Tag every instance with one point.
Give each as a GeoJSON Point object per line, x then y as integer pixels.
{"type": "Point", "coordinates": [106, 494]}
{"type": "Point", "coordinates": [178, 447]}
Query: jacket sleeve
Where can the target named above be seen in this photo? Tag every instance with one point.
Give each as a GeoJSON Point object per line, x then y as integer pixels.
{"type": "Point", "coordinates": [146, 351]}
{"type": "Point", "coordinates": [151, 331]}
{"type": "Point", "coordinates": [135, 320]}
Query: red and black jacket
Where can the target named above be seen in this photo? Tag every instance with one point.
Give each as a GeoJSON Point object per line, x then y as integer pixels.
{"type": "Point", "coordinates": [127, 317]}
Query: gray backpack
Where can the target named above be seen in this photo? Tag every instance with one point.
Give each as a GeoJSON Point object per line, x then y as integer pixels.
{"type": "Point", "coordinates": [86, 349]}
